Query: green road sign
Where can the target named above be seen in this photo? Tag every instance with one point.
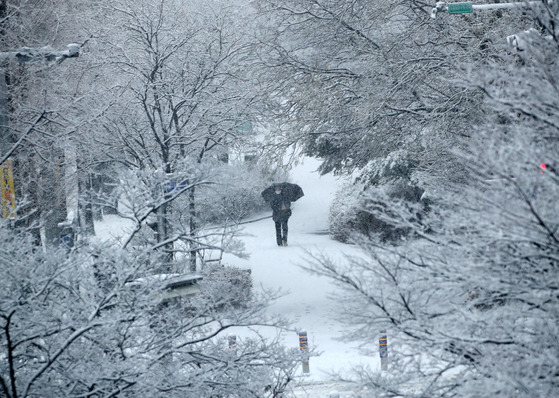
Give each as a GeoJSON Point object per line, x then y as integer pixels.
{"type": "Point", "coordinates": [460, 8]}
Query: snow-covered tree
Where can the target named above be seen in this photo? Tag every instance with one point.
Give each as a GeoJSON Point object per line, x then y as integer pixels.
{"type": "Point", "coordinates": [362, 80]}
{"type": "Point", "coordinates": [183, 94]}
{"type": "Point", "coordinates": [92, 323]}
{"type": "Point", "coordinates": [48, 105]}
{"type": "Point", "coordinates": [470, 301]}
{"type": "Point", "coordinates": [369, 87]}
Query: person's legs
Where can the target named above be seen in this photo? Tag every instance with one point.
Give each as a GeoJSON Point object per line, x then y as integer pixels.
{"type": "Point", "coordinates": [278, 233]}
{"type": "Point", "coordinates": [284, 232]}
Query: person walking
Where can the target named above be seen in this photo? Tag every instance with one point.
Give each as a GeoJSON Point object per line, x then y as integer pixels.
{"type": "Point", "coordinates": [280, 196]}
{"type": "Point", "coordinates": [281, 211]}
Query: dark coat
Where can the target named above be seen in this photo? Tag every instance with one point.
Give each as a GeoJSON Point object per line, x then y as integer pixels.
{"type": "Point", "coordinates": [281, 203]}
{"type": "Point", "coordinates": [281, 207]}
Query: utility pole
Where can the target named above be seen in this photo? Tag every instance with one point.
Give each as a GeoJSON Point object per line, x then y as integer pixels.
{"type": "Point", "coordinates": [7, 147]}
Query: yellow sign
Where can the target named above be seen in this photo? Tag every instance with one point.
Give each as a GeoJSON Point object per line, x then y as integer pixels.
{"type": "Point", "coordinates": [7, 189]}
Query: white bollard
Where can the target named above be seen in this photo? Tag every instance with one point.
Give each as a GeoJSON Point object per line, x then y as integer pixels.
{"type": "Point", "coordinates": [232, 341]}
{"type": "Point", "coordinates": [383, 350]}
{"type": "Point", "coordinates": [304, 347]}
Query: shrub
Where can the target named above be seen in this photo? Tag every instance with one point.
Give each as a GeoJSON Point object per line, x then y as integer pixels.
{"type": "Point", "coordinates": [351, 211]}
{"type": "Point", "coordinates": [227, 286]}
{"type": "Point", "coordinates": [236, 194]}
{"type": "Point", "coordinates": [344, 213]}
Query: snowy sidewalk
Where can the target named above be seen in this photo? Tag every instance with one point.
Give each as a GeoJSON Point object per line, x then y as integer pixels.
{"type": "Point", "coordinates": [307, 302]}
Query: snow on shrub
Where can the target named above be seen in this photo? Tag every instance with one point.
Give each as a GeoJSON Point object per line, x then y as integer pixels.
{"type": "Point", "coordinates": [343, 212]}
{"type": "Point", "coordinates": [236, 194]}
{"type": "Point", "coordinates": [356, 209]}
{"type": "Point", "coordinates": [226, 286]}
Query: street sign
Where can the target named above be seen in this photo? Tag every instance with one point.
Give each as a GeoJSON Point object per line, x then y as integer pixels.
{"type": "Point", "coordinates": [7, 189]}
{"type": "Point", "coordinates": [460, 8]}
{"type": "Point", "coordinates": [468, 8]}
{"type": "Point", "coordinates": [173, 185]}
{"type": "Point", "coordinates": [245, 127]}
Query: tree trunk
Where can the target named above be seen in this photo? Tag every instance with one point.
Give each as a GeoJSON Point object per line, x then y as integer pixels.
{"type": "Point", "coordinates": [193, 229]}
{"type": "Point", "coordinates": [86, 209]}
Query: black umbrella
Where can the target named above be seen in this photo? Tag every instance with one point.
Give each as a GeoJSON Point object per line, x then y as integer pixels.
{"type": "Point", "coordinates": [291, 191]}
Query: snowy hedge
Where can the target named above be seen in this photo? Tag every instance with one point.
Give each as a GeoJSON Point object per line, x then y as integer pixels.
{"type": "Point", "coordinates": [227, 286]}
{"type": "Point", "coordinates": [349, 213]}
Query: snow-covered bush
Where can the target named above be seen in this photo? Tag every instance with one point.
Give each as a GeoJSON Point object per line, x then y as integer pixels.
{"type": "Point", "coordinates": [390, 177]}
{"type": "Point", "coordinates": [343, 212]}
{"type": "Point", "coordinates": [227, 286]}
{"type": "Point", "coordinates": [236, 193]}
{"type": "Point", "coordinates": [77, 324]}
{"type": "Point", "coordinates": [350, 211]}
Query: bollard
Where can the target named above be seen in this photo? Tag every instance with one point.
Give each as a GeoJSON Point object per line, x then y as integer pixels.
{"type": "Point", "coordinates": [304, 346]}
{"type": "Point", "coordinates": [232, 340]}
{"type": "Point", "coordinates": [383, 350]}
